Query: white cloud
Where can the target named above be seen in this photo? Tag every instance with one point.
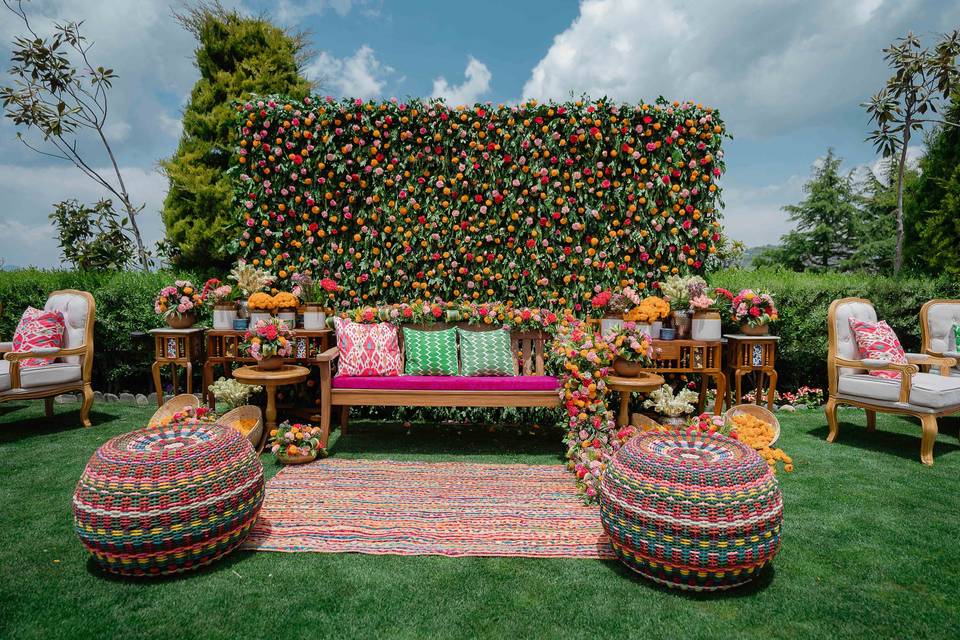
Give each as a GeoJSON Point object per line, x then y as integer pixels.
{"type": "Point", "coordinates": [476, 82]}
{"type": "Point", "coordinates": [768, 67]}
{"type": "Point", "coordinates": [31, 192]}
{"type": "Point", "coordinates": [754, 214]}
{"type": "Point", "coordinates": [361, 75]}
{"type": "Point", "coordinates": [117, 130]}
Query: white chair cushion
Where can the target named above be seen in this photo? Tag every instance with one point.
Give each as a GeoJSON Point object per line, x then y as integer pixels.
{"type": "Point", "coordinates": [940, 320]}
{"type": "Point", "coordinates": [56, 373]}
{"type": "Point", "coordinates": [927, 390]}
{"type": "Point", "coordinates": [74, 309]}
{"type": "Point", "coordinates": [846, 343]}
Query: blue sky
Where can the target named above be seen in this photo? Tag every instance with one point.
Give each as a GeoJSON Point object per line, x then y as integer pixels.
{"type": "Point", "coordinates": [787, 77]}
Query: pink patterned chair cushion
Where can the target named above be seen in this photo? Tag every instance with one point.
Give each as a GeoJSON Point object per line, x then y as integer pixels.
{"type": "Point", "coordinates": [448, 383]}
{"type": "Point", "coordinates": [38, 330]}
{"type": "Point", "coordinates": [877, 341]}
{"type": "Point", "coordinates": [367, 349]}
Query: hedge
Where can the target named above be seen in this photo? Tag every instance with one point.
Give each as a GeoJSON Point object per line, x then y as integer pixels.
{"type": "Point", "coordinates": [803, 300]}
{"type": "Point", "coordinates": [537, 203]}
{"type": "Point", "coordinates": [124, 305]}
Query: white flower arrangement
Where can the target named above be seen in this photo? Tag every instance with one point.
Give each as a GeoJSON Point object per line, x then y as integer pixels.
{"type": "Point", "coordinates": [664, 402]}
{"type": "Point", "coordinates": [231, 394]}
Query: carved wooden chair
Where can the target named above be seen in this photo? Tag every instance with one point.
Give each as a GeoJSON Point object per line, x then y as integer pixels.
{"type": "Point", "coordinates": [937, 318]}
{"type": "Point", "coordinates": [72, 369]}
{"type": "Point", "coordinates": [926, 396]}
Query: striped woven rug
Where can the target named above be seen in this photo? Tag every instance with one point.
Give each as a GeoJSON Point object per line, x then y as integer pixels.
{"type": "Point", "coordinates": [425, 508]}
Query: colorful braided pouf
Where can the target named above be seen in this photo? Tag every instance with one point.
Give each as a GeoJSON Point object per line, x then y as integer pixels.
{"type": "Point", "coordinates": [168, 499]}
{"type": "Point", "coordinates": [700, 512]}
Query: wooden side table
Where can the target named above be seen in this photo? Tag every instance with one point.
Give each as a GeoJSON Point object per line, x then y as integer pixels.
{"type": "Point", "coordinates": [176, 347]}
{"type": "Point", "coordinates": [270, 380]}
{"type": "Point", "coordinates": [644, 383]}
{"type": "Point", "coordinates": [223, 348]}
{"type": "Point", "coordinates": [755, 356]}
{"type": "Point", "coordinates": [694, 356]}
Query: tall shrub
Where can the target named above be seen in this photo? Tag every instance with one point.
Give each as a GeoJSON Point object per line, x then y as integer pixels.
{"type": "Point", "coordinates": [237, 56]}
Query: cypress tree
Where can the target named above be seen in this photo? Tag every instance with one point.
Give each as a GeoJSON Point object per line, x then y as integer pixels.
{"type": "Point", "coordinates": [237, 56]}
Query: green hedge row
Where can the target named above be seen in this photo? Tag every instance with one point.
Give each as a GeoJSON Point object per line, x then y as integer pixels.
{"type": "Point", "coordinates": [803, 300]}
{"type": "Point", "coordinates": [124, 305]}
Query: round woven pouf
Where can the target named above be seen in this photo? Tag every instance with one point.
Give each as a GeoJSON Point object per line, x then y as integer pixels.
{"type": "Point", "coordinates": [169, 499]}
{"type": "Point", "coordinates": [700, 512]}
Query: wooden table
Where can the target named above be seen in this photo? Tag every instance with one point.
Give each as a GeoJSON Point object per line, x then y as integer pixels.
{"type": "Point", "coordinates": [755, 356]}
{"type": "Point", "coordinates": [223, 348]}
{"type": "Point", "coordinates": [270, 380]}
{"type": "Point", "coordinates": [694, 356]}
{"type": "Point", "coordinates": [644, 383]}
{"type": "Point", "coordinates": [176, 347]}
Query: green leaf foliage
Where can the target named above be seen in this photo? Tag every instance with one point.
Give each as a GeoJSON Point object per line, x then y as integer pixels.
{"type": "Point", "coordinates": [237, 56]}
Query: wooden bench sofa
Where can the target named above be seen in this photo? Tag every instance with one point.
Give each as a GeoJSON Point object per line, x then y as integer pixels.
{"type": "Point", "coordinates": [531, 387]}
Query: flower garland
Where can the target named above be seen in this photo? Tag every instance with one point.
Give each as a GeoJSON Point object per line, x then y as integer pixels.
{"type": "Point", "coordinates": [503, 314]}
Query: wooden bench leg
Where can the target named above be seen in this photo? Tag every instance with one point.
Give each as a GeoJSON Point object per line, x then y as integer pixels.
{"type": "Point", "coordinates": [871, 420]}
{"type": "Point", "coordinates": [831, 411]}
{"type": "Point", "coordinates": [344, 419]}
{"type": "Point", "coordinates": [48, 406]}
{"type": "Point", "coordinates": [87, 403]}
{"type": "Point", "coordinates": [929, 424]}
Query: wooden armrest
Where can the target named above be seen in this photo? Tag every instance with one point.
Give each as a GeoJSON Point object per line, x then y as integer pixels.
{"type": "Point", "coordinates": [942, 361]}
{"type": "Point", "coordinates": [906, 372]}
{"type": "Point", "coordinates": [328, 355]}
{"type": "Point", "coordinates": [44, 353]}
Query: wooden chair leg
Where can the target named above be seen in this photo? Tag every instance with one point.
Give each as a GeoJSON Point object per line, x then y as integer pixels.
{"type": "Point", "coordinates": [157, 384]}
{"type": "Point", "coordinates": [831, 410]}
{"type": "Point", "coordinates": [48, 406]}
{"type": "Point", "coordinates": [929, 425]}
{"type": "Point", "coordinates": [772, 392]}
{"type": "Point", "coordinates": [720, 381]}
{"type": "Point", "coordinates": [344, 419]}
{"type": "Point", "coordinates": [871, 420]}
{"type": "Point", "coordinates": [87, 403]}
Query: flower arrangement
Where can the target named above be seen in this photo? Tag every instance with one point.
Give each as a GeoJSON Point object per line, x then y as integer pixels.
{"type": "Point", "coordinates": [631, 343]}
{"type": "Point", "coordinates": [666, 403]}
{"type": "Point", "coordinates": [262, 301]}
{"type": "Point", "coordinates": [215, 292]}
{"type": "Point", "coordinates": [188, 414]}
{"type": "Point", "coordinates": [179, 299]}
{"type": "Point", "coordinates": [759, 434]}
{"type": "Point", "coordinates": [650, 310]}
{"type": "Point", "coordinates": [615, 303]}
{"type": "Point", "coordinates": [293, 441]}
{"type": "Point", "coordinates": [269, 338]}
{"type": "Point", "coordinates": [231, 394]}
{"type": "Point", "coordinates": [249, 278]}
{"type": "Point", "coordinates": [420, 312]}
{"type": "Point", "coordinates": [285, 300]}
{"type": "Point", "coordinates": [679, 290]}
{"type": "Point", "coordinates": [750, 307]}
{"type": "Point", "coordinates": [708, 423]}
{"type": "Point", "coordinates": [312, 291]}
{"type": "Point", "coordinates": [511, 202]}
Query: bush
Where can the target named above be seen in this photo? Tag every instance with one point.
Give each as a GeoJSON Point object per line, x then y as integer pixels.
{"type": "Point", "coordinates": [803, 300]}
{"type": "Point", "coordinates": [124, 305]}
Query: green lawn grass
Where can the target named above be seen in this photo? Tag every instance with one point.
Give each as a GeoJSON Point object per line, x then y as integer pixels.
{"type": "Point", "coordinates": [869, 550]}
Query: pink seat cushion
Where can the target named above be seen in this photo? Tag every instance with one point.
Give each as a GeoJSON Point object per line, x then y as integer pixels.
{"type": "Point", "coordinates": [448, 383]}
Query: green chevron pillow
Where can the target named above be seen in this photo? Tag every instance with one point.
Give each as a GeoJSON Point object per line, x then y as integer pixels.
{"type": "Point", "coordinates": [486, 353]}
{"type": "Point", "coordinates": [430, 353]}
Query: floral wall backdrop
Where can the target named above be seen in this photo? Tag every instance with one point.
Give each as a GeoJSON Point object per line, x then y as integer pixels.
{"type": "Point", "coordinates": [532, 203]}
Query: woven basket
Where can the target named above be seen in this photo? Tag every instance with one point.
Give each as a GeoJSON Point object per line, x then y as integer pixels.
{"type": "Point", "coordinates": [645, 423]}
{"type": "Point", "coordinates": [245, 413]}
{"type": "Point", "coordinates": [176, 404]}
{"type": "Point", "coordinates": [168, 499]}
{"type": "Point", "coordinates": [700, 512]}
{"type": "Point", "coordinates": [761, 413]}
{"type": "Point", "coordinates": [284, 458]}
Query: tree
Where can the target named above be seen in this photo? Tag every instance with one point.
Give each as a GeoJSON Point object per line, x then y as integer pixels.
{"type": "Point", "coordinates": [237, 56]}
{"type": "Point", "coordinates": [825, 234]}
{"type": "Point", "coordinates": [93, 238]}
{"type": "Point", "coordinates": [875, 225]}
{"type": "Point", "coordinates": [921, 79]}
{"type": "Point", "coordinates": [57, 91]}
{"type": "Point", "coordinates": [937, 198]}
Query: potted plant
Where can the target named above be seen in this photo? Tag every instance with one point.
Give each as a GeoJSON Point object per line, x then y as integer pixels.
{"type": "Point", "coordinates": [178, 304]}
{"type": "Point", "coordinates": [633, 349]}
{"type": "Point", "coordinates": [219, 296]}
{"type": "Point", "coordinates": [269, 342]}
{"type": "Point", "coordinates": [296, 443]}
{"type": "Point", "coordinates": [752, 310]}
{"type": "Point", "coordinates": [260, 306]}
{"type": "Point", "coordinates": [314, 294]}
{"type": "Point", "coordinates": [673, 407]}
{"type": "Point", "coordinates": [650, 312]}
{"type": "Point", "coordinates": [706, 324]}
{"type": "Point", "coordinates": [250, 280]}
{"type": "Point", "coordinates": [677, 290]}
{"type": "Point", "coordinates": [285, 306]}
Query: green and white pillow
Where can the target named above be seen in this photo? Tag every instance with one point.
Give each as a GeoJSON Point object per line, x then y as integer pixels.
{"type": "Point", "coordinates": [430, 353]}
{"type": "Point", "coordinates": [486, 353]}
{"type": "Point", "coordinates": [956, 337]}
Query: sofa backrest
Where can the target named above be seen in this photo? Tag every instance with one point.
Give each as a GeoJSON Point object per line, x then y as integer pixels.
{"type": "Point", "coordinates": [78, 309]}
{"type": "Point", "coordinates": [937, 318]}
{"type": "Point", "coordinates": [842, 343]}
